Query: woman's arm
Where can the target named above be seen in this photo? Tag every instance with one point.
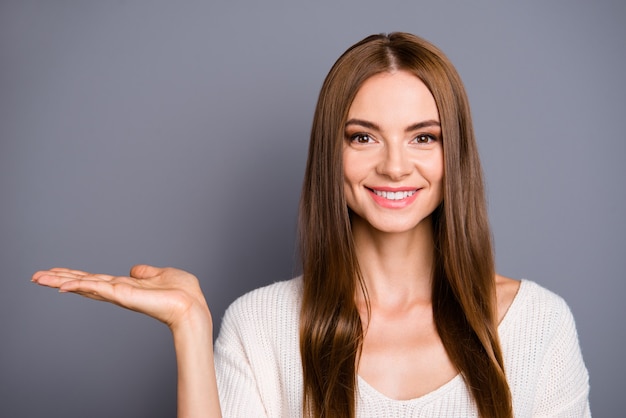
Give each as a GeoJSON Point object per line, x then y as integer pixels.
{"type": "Point", "coordinates": [173, 297]}
{"type": "Point", "coordinates": [197, 387]}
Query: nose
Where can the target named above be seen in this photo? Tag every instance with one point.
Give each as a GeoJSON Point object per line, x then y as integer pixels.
{"type": "Point", "coordinates": [394, 162]}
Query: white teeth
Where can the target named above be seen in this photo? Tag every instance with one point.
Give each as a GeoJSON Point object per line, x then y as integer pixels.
{"type": "Point", "coordinates": [394, 195]}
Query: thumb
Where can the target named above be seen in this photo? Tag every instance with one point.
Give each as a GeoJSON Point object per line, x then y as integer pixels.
{"type": "Point", "coordinates": [144, 271]}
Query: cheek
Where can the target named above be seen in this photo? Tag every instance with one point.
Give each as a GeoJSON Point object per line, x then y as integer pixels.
{"type": "Point", "coordinates": [350, 185]}
{"type": "Point", "coordinates": [351, 169]}
{"type": "Point", "coordinates": [434, 169]}
{"type": "Point", "coordinates": [437, 173]}
{"type": "Point", "coordinates": [354, 174]}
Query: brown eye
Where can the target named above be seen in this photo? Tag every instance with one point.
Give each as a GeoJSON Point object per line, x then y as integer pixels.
{"type": "Point", "coordinates": [361, 139]}
{"type": "Point", "coordinates": [425, 139]}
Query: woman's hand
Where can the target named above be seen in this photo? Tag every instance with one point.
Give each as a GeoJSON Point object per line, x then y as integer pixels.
{"type": "Point", "coordinates": [170, 295]}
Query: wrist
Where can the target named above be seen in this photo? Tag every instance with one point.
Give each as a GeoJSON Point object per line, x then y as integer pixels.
{"type": "Point", "coordinates": [195, 323]}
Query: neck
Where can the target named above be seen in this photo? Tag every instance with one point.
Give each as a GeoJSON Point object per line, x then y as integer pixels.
{"type": "Point", "coordinates": [396, 267]}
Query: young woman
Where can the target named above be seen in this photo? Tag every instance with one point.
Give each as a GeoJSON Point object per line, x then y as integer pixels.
{"type": "Point", "coordinates": [399, 312]}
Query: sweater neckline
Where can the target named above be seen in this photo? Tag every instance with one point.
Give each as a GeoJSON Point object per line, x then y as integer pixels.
{"type": "Point", "coordinates": [368, 390]}
{"type": "Point", "coordinates": [458, 379]}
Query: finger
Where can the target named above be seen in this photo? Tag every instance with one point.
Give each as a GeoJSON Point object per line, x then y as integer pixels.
{"type": "Point", "coordinates": [93, 289]}
{"type": "Point", "coordinates": [144, 271]}
{"type": "Point", "coordinates": [87, 295]}
{"type": "Point", "coordinates": [51, 280]}
{"type": "Point", "coordinates": [70, 271]}
{"type": "Point", "coordinates": [82, 275]}
{"type": "Point", "coordinates": [57, 278]}
{"type": "Point", "coordinates": [59, 272]}
{"type": "Point", "coordinates": [48, 278]}
{"type": "Point", "coordinates": [118, 293]}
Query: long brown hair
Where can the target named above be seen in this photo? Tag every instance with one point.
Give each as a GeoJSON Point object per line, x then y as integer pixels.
{"type": "Point", "coordinates": [464, 300]}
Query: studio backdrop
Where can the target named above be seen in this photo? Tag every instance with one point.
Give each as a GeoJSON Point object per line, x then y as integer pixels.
{"type": "Point", "coordinates": [176, 133]}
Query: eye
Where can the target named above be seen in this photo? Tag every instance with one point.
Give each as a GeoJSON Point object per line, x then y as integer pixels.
{"type": "Point", "coordinates": [361, 138]}
{"type": "Point", "coordinates": [425, 139]}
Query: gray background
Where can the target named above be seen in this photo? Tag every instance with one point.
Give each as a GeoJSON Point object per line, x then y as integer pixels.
{"type": "Point", "coordinates": [175, 133]}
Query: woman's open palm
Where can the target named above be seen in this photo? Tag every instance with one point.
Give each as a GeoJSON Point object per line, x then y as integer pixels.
{"type": "Point", "coordinates": [166, 294]}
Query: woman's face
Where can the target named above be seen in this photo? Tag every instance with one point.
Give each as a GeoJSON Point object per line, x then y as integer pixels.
{"type": "Point", "coordinates": [392, 154]}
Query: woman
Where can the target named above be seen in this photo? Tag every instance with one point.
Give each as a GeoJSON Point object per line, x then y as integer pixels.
{"type": "Point", "coordinates": [399, 311]}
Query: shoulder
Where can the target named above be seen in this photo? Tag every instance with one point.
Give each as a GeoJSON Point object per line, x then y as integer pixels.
{"type": "Point", "coordinates": [274, 296]}
{"type": "Point", "coordinates": [257, 352]}
{"type": "Point", "coordinates": [515, 297]}
{"type": "Point", "coordinates": [541, 300]}
{"type": "Point", "coordinates": [537, 311]}
{"type": "Point", "coordinates": [542, 356]}
{"type": "Point", "coordinates": [264, 308]}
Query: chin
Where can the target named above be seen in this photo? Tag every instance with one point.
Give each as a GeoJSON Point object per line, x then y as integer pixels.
{"type": "Point", "coordinates": [403, 227]}
{"type": "Point", "coordinates": [392, 224]}
{"type": "Point", "coordinates": [399, 228]}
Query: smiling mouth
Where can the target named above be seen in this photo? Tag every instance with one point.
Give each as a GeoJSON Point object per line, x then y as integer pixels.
{"type": "Point", "coordinates": [394, 195]}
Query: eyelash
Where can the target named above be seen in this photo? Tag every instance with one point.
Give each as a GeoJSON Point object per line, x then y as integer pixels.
{"type": "Point", "coordinates": [358, 136]}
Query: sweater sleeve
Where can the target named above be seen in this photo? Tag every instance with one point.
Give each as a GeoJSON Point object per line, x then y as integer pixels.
{"type": "Point", "coordinates": [563, 389]}
{"type": "Point", "coordinates": [238, 390]}
{"type": "Point", "coordinates": [257, 356]}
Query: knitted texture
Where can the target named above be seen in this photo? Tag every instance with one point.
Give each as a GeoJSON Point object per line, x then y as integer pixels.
{"type": "Point", "coordinates": [259, 371]}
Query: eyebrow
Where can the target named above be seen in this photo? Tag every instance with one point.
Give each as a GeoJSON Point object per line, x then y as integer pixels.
{"type": "Point", "coordinates": [411, 128]}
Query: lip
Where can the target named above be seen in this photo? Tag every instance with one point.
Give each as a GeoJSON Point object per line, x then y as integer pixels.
{"type": "Point", "coordinates": [393, 204]}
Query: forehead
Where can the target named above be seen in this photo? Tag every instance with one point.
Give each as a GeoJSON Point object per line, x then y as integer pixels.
{"type": "Point", "coordinates": [397, 97]}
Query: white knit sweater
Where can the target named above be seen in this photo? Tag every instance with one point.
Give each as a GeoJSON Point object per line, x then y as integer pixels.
{"type": "Point", "coordinates": [260, 374]}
